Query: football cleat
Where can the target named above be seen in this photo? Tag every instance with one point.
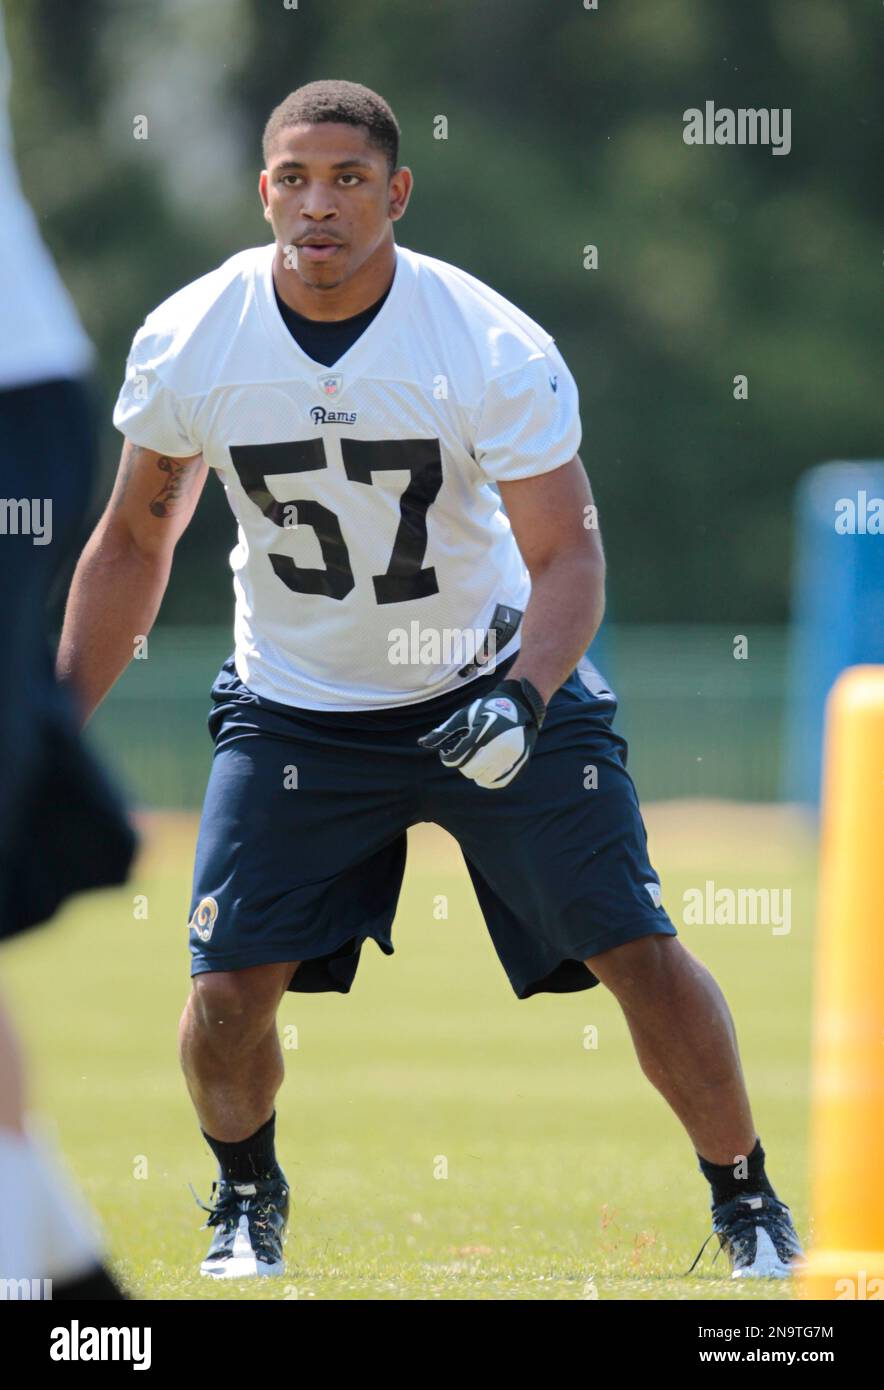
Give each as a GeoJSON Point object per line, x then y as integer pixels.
{"type": "Point", "coordinates": [250, 1220]}
{"type": "Point", "coordinates": [757, 1233]}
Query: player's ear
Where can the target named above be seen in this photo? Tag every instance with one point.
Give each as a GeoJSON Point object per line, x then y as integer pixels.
{"type": "Point", "coordinates": [401, 183]}
{"type": "Point", "coordinates": [262, 189]}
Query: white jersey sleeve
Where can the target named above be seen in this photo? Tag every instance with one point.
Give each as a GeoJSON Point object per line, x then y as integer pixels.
{"type": "Point", "coordinates": [147, 410]}
{"type": "Point", "coordinates": [529, 419]}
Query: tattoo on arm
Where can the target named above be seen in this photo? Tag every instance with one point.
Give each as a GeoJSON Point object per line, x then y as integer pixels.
{"type": "Point", "coordinates": [175, 487]}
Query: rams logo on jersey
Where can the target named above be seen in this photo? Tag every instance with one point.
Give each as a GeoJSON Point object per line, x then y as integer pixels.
{"type": "Point", "coordinates": [320, 416]}
{"type": "Point", "coordinates": [204, 917]}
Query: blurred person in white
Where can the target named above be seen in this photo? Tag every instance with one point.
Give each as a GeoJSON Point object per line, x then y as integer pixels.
{"type": "Point", "coordinates": [62, 824]}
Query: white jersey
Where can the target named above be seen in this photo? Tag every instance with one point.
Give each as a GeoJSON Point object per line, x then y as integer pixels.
{"type": "Point", "coordinates": [373, 552]}
{"type": "Point", "coordinates": [41, 336]}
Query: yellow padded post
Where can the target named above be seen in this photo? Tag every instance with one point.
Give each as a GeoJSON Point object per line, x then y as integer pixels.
{"type": "Point", "coordinates": [847, 1141]}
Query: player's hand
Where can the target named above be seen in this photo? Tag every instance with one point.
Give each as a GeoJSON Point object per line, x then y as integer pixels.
{"type": "Point", "coordinates": [490, 741]}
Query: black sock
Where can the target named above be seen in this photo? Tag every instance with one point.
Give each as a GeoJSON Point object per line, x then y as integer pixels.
{"type": "Point", "coordinates": [247, 1159]}
{"type": "Point", "coordinates": [725, 1186]}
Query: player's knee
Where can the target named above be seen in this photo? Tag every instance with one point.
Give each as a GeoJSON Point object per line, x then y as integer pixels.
{"type": "Point", "coordinates": [230, 1009]}
{"type": "Point", "coordinates": [637, 965]}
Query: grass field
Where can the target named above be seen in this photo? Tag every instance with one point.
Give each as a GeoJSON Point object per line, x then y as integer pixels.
{"type": "Point", "coordinates": [567, 1175]}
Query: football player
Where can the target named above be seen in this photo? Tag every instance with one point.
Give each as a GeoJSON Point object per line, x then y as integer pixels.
{"type": "Point", "coordinates": [399, 446]}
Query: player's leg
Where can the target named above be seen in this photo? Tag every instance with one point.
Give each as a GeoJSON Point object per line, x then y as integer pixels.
{"type": "Point", "coordinates": [233, 1066]}
{"type": "Point", "coordinates": [230, 1053]}
{"type": "Point", "coordinates": [562, 873]}
{"type": "Point", "coordinates": [686, 1044]}
{"type": "Point", "coordinates": [12, 1077]}
{"type": "Point", "coordinates": [299, 859]}
{"type": "Point", "coordinates": [685, 1040]}
{"type": "Point", "coordinates": [47, 1236]}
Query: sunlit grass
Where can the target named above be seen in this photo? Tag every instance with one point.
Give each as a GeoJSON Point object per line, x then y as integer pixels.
{"type": "Point", "coordinates": [567, 1175]}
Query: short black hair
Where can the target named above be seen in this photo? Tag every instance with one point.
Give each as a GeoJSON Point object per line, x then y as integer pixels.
{"type": "Point", "coordinates": [335, 100]}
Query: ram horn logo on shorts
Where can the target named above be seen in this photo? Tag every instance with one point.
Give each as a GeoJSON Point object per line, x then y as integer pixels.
{"type": "Point", "coordinates": [205, 915]}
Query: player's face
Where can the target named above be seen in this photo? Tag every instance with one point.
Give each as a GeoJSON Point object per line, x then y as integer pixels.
{"type": "Point", "coordinates": [326, 185]}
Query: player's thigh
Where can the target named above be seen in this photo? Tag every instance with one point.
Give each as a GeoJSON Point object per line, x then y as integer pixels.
{"type": "Point", "coordinates": [563, 848]}
{"type": "Point", "coordinates": [276, 799]}
{"type": "Point", "coordinates": [301, 845]}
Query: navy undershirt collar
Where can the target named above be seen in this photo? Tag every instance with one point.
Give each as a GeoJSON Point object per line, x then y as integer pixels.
{"type": "Point", "coordinates": [326, 340]}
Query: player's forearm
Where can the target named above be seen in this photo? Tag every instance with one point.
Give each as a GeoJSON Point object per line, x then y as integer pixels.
{"type": "Point", "coordinates": [114, 599]}
{"type": "Point", "coordinates": [564, 612]}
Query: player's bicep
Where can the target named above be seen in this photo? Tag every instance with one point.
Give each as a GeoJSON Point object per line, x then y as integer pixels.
{"type": "Point", "coordinates": [154, 497]}
{"type": "Point", "coordinates": [551, 513]}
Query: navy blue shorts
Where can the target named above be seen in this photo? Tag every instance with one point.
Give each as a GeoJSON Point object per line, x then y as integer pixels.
{"type": "Point", "coordinates": [302, 842]}
{"type": "Point", "coordinates": [63, 827]}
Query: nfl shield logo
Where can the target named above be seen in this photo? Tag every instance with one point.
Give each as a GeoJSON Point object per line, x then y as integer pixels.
{"type": "Point", "coordinates": [331, 385]}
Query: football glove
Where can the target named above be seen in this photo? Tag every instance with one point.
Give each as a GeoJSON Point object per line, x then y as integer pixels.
{"type": "Point", "coordinates": [490, 741]}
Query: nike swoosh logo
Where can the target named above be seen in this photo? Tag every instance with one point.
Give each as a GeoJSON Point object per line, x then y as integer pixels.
{"type": "Point", "coordinates": [489, 717]}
